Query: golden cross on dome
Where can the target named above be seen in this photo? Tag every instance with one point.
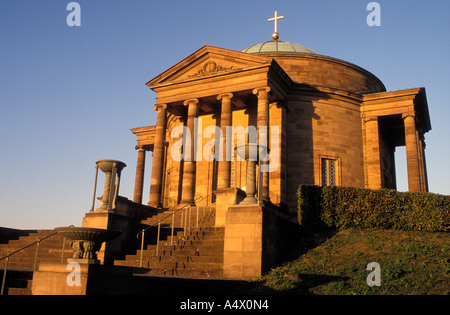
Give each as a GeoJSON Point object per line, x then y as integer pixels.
{"type": "Point", "coordinates": [275, 19]}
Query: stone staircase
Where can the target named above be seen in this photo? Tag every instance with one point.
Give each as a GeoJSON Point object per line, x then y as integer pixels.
{"type": "Point", "coordinates": [198, 251]}
{"type": "Point", "coordinates": [19, 274]}
{"type": "Point", "coordinates": [194, 252]}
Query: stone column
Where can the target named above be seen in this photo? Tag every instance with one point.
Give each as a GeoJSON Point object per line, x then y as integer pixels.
{"type": "Point", "coordinates": [412, 153]}
{"type": "Point", "coordinates": [424, 163]}
{"type": "Point", "coordinates": [189, 170]}
{"type": "Point", "coordinates": [372, 153]}
{"type": "Point", "coordinates": [250, 189]}
{"type": "Point", "coordinates": [139, 181]}
{"type": "Point", "coordinates": [224, 167]}
{"type": "Point", "coordinates": [158, 157]}
{"type": "Point", "coordinates": [263, 138]}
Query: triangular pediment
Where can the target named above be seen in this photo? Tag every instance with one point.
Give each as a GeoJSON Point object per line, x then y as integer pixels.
{"type": "Point", "coordinates": [208, 61]}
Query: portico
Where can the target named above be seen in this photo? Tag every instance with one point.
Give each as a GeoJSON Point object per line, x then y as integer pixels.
{"type": "Point", "coordinates": [393, 119]}
{"type": "Point", "coordinates": [212, 87]}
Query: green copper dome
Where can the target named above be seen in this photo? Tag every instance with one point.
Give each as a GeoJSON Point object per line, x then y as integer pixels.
{"type": "Point", "coordinates": [278, 47]}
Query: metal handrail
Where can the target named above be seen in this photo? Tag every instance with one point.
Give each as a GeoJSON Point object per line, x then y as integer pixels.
{"type": "Point", "coordinates": [38, 242]}
{"type": "Point", "coordinates": [158, 223]}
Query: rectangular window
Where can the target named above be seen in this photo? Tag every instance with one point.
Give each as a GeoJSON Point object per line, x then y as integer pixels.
{"type": "Point", "coordinates": [329, 172]}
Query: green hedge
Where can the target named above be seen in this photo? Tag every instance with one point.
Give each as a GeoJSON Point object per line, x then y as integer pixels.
{"type": "Point", "coordinates": [347, 207]}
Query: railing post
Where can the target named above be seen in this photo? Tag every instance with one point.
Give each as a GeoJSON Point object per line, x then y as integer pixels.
{"type": "Point", "coordinates": [95, 188]}
{"type": "Point", "coordinates": [190, 215]}
{"type": "Point", "coordinates": [185, 222]}
{"type": "Point", "coordinates": [196, 223]}
{"type": "Point", "coordinates": [173, 224]}
{"type": "Point", "coordinates": [210, 206]}
{"type": "Point", "coordinates": [182, 219]}
{"type": "Point", "coordinates": [157, 240]}
{"type": "Point", "coordinates": [63, 249]}
{"type": "Point", "coordinates": [36, 255]}
{"type": "Point", "coordinates": [142, 247]}
{"type": "Point", "coordinates": [4, 275]}
{"type": "Point", "coordinates": [204, 207]}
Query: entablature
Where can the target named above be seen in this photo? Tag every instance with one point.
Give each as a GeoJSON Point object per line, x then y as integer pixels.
{"type": "Point", "coordinates": [146, 137]}
{"type": "Point", "coordinates": [409, 102]}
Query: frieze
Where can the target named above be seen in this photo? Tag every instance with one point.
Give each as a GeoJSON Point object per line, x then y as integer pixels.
{"type": "Point", "coordinates": [209, 67]}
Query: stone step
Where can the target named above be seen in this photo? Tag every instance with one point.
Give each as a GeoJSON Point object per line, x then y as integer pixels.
{"type": "Point", "coordinates": [180, 251]}
{"type": "Point", "coordinates": [218, 272]}
{"type": "Point", "coordinates": [205, 217]}
{"type": "Point", "coordinates": [18, 282]}
{"type": "Point", "coordinates": [194, 238]}
{"type": "Point", "coordinates": [191, 255]}
{"type": "Point", "coordinates": [203, 265]}
{"type": "Point", "coordinates": [19, 291]}
{"type": "Point", "coordinates": [187, 244]}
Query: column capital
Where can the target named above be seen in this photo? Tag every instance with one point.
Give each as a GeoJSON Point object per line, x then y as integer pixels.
{"type": "Point", "coordinates": [408, 114]}
{"type": "Point", "coordinates": [224, 95]}
{"type": "Point", "coordinates": [143, 147]}
{"type": "Point", "coordinates": [160, 106]}
{"type": "Point", "coordinates": [261, 89]}
{"type": "Point", "coordinates": [193, 100]}
{"type": "Point", "coordinates": [278, 104]}
{"type": "Point", "coordinates": [367, 119]}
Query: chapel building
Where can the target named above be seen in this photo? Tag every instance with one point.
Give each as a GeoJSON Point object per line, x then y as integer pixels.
{"type": "Point", "coordinates": [330, 122]}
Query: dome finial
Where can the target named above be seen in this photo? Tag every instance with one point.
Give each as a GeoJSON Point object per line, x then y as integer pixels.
{"type": "Point", "coordinates": [275, 34]}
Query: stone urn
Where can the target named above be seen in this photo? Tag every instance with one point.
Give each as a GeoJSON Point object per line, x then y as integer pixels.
{"type": "Point", "coordinates": [113, 170]}
{"type": "Point", "coordinates": [108, 165]}
{"type": "Point", "coordinates": [86, 242]}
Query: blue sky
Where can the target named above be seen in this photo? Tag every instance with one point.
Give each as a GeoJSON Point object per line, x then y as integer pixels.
{"type": "Point", "coordinates": [69, 95]}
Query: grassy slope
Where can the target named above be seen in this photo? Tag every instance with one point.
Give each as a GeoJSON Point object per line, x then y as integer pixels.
{"type": "Point", "coordinates": [411, 263]}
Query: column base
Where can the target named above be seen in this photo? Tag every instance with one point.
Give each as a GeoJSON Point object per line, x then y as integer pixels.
{"type": "Point", "coordinates": [249, 200]}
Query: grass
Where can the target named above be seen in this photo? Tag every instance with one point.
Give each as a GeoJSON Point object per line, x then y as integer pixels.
{"type": "Point", "coordinates": [412, 263]}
